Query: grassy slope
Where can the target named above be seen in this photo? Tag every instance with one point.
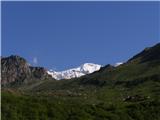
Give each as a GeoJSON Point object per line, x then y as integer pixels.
{"type": "Point", "coordinates": [30, 108]}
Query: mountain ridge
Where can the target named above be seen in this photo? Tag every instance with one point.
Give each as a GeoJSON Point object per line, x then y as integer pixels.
{"type": "Point", "coordinates": [130, 91]}
{"type": "Point", "coordinates": [16, 69]}
{"type": "Point", "coordinates": [82, 70]}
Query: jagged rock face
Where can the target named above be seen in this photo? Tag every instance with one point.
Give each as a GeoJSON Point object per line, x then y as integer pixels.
{"type": "Point", "coordinates": [39, 72]}
{"type": "Point", "coordinates": [16, 69]}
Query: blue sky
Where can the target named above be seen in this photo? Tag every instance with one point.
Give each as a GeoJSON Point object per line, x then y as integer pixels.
{"type": "Point", "coordinates": [62, 35]}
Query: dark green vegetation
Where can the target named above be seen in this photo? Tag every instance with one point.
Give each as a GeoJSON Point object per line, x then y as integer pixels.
{"type": "Point", "coordinates": [128, 92]}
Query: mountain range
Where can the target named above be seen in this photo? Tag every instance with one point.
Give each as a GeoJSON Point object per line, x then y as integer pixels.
{"type": "Point", "coordinates": [128, 91]}
{"type": "Point", "coordinates": [17, 69]}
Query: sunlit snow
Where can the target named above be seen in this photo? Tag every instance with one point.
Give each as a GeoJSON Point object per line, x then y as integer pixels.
{"type": "Point", "coordinates": [84, 69]}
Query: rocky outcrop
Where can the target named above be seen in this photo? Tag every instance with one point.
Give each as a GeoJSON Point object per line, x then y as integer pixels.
{"type": "Point", "coordinates": [15, 69]}
{"type": "Point", "coordinates": [39, 73]}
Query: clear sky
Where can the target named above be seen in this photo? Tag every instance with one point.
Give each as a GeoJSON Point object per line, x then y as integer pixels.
{"type": "Point", "coordinates": [62, 35]}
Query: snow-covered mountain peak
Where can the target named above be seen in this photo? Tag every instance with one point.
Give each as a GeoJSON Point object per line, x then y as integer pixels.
{"type": "Point", "coordinates": [84, 69]}
{"type": "Point", "coordinates": [89, 67]}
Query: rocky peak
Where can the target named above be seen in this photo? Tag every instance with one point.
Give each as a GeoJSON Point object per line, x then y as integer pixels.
{"type": "Point", "coordinates": [15, 69]}
{"type": "Point", "coordinates": [39, 72]}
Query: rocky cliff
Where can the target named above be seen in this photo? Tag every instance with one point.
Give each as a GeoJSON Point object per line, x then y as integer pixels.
{"type": "Point", "coordinates": [15, 69]}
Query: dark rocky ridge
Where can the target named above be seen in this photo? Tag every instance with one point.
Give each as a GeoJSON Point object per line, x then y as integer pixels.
{"type": "Point", "coordinates": [148, 54]}
{"type": "Point", "coordinates": [15, 69]}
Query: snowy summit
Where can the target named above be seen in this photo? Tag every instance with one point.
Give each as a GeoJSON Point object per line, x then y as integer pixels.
{"type": "Point", "coordinates": [84, 69]}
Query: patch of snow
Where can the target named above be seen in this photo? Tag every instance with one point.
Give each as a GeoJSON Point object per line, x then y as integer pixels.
{"type": "Point", "coordinates": [118, 64]}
